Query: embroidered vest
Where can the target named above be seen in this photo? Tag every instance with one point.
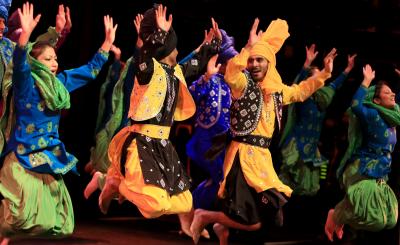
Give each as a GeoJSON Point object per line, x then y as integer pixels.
{"type": "Point", "coordinates": [147, 100]}
{"type": "Point", "coordinates": [246, 110]}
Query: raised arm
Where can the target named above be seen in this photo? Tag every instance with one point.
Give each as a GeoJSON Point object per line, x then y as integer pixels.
{"type": "Point", "coordinates": [28, 23]}
{"type": "Point", "coordinates": [22, 79]}
{"type": "Point", "coordinates": [234, 76]}
{"type": "Point", "coordinates": [78, 77]}
{"type": "Point", "coordinates": [153, 39]}
{"type": "Point", "coordinates": [56, 35]}
{"type": "Point", "coordinates": [311, 54]}
{"type": "Point", "coordinates": [138, 19]}
{"type": "Point", "coordinates": [199, 87]}
{"type": "Point", "coordinates": [357, 106]}
{"type": "Point", "coordinates": [109, 29]}
{"type": "Point", "coordinates": [197, 63]}
{"type": "Point", "coordinates": [67, 26]}
{"type": "Point", "coordinates": [300, 92]}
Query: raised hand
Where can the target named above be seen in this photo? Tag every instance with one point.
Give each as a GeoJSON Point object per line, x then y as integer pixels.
{"type": "Point", "coordinates": [60, 18]}
{"type": "Point", "coordinates": [328, 60]}
{"type": "Point", "coordinates": [137, 21]}
{"type": "Point", "coordinates": [109, 30]}
{"type": "Point", "coordinates": [212, 68]}
{"type": "Point", "coordinates": [217, 32]}
{"type": "Point", "coordinates": [369, 75]}
{"type": "Point", "coordinates": [208, 37]}
{"type": "Point", "coordinates": [28, 23]}
{"type": "Point", "coordinates": [254, 37]}
{"type": "Point", "coordinates": [350, 63]}
{"type": "Point", "coordinates": [311, 54]}
{"type": "Point", "coordinates": [68, 23]}
{"type": "Point", "coordinates": [161, 20]}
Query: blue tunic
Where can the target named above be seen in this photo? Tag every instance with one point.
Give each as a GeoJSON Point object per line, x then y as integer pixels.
{"type": "Point", "coordinates": [35, 140]}
{"type": "Point", "coordinates": [213, 101]}
{"type": "Point", "coordinates": [378, 142]}
{"type": "Point", "coordinates": [309, 117]}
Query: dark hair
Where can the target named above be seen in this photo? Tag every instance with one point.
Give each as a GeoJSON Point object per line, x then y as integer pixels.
{"type": "Point", "coordinates": [39, 47]}
{"type": "Point", "coordinates": [378, 87]}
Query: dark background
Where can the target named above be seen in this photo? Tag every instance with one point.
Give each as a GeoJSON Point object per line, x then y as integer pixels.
{"type": "Point", "coordinates": [370, 28]}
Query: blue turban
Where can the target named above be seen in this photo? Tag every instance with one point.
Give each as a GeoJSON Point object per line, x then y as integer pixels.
{"type": "Point", "coordinates": [4, 8]}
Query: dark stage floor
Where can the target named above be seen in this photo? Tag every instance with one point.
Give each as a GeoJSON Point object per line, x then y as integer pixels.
{"type": "Point", "coordinates": [136, 231]}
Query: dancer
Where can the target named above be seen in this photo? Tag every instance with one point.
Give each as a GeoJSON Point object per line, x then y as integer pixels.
{"type": "Point", "coordinates": [250, 182]}
{"type": "Point", "coordinates": [369, 202]}
{"type": "Point", "coordinates": [213, 98]}
{"type": "Point", "coordinates": [145, 168]}
{"type": "Point", "coordinates": [36, 201]}
{"type": "Point", "coordinates": [301, 158]}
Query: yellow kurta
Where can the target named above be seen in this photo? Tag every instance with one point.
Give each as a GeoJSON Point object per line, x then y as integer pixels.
{"type": "Point", "coordinates": [256, 162]}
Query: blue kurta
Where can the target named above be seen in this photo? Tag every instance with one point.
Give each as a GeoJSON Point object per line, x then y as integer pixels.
{"type": "Point", "coordinates": [369, 204]}
{"type": "Point", "coordinates": [213, 101]}
{"type": "Point", "coordinates": [309, 118]}
{"type": "Point", "coordinates": [301, 158]}
{"type": "Point", "coordinates": [35, 140]}
{"type": "Point", "coordinates": [378, 142]}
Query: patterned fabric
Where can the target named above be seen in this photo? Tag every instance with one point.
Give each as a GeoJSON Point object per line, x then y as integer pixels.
{"type": "Point", "coordinates": [34, 204]}
{"type": "Point", "coordinates": [369, 204]}
{"type": "Point", "coordinates": [256, 162]}
{"type": "Point", "coordinates": [213, 101]}
{"type": "Point", "coordinates": [372, 135]}
{"type": "Point", "coordinates": [158, 160]}
{"type": "Point", "coordinates": [147, 100]}
{"type": "Point", "coordinates": [255, 140]}
{"type": "Point", "coordinates": [246, 110]}
{"type": "Point", "coordinates": [110, 119]}
{"type": "Point", "coordinates": [35, 139]}
{"type": "Point", "coordinates": [160, 164]}
{"type": "Point", "coordinates": [301, 158]}
{"type": "Point", "coordinates": [53, 92]}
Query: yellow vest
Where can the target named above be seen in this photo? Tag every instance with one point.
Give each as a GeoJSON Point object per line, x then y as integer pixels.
{"type": "Point", "coordinates": [147, 100]}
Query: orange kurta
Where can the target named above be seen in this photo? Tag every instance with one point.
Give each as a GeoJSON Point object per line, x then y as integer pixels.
{"type": "Point", "coordinates": [146, 101]}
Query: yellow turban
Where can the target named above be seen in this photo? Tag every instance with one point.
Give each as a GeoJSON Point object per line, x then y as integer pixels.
{"type": "Point", "coordinates": [270, 43]}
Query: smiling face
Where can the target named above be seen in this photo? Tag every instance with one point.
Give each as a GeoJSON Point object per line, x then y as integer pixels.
{"type": "Point", "coordinates": [257, 65]}
{"type": "Point", "coordinates": [384, 96]}
{"type": "Point", "coordinates": [46, 55]}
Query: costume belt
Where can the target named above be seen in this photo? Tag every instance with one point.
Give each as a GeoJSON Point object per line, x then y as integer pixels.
{"type": "Point", "coordinates": [255, 140]}
{"type": "Point", "coordinates": [151, 130]}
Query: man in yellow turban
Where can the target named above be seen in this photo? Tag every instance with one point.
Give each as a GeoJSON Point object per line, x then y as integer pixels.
{"type": "Point", "coordinates": [251, 187]}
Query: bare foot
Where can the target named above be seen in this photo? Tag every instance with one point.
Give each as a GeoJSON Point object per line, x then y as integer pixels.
{"type": "Point", "coordinates": [109, 192]}
{"type": "Point", "coordinates": [330, 225]}
{"type": "Point", "coordinates": [4, 240]}
{"type": "Point", "coordinates": [93, 185]}
{"type": "Point", "coordinates": [204, 233]}
{"type": "Point", "coordinates": [222, 233]}
{"type": "Point", "coordinates": [186, 219]}
{"type": "Point", "coordinates": [339, 231]}
{"type": "Point", "coordinates": [197, 225]}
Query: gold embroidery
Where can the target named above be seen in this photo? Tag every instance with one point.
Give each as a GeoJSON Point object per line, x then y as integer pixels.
{"type": "Point", "coordinates": [30, 128]}
{"type": "Point", "coordinates": [39, 158]}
